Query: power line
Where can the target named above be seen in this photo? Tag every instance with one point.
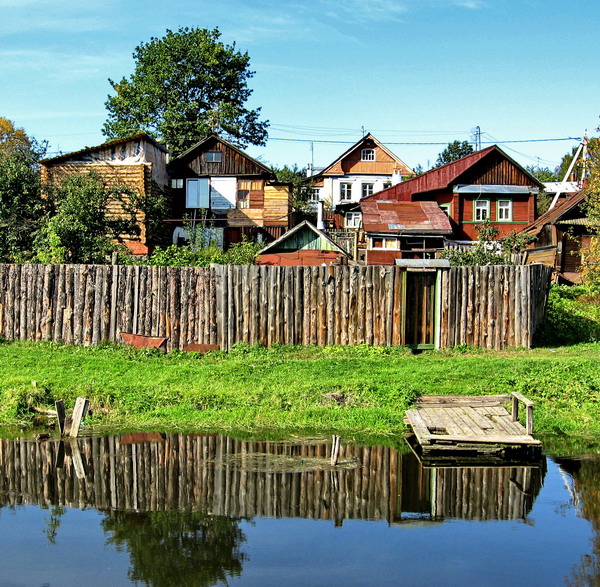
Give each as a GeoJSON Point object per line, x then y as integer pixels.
{"type": "Point", "coordinates": [340, 142]}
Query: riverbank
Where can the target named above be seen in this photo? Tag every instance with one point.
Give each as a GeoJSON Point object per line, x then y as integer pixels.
{"type": "Point", "coordinates": [360, 391]}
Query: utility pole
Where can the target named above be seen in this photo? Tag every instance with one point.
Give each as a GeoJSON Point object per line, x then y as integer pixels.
{"type": "Point", "coordinates": [476, 137]}
{"type": "Point", "coordinates": [581, 150]}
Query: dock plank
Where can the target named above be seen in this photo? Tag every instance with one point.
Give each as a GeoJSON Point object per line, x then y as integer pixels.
{"type": "Point", "coordinates": [467, 423]}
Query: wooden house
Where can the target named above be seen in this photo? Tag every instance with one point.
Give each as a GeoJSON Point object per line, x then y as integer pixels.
{"type": "Point", "coordinates": [216, 183]}
{"type": "Point", "coordinates": [364, 169]}
{"type": "Point", "coordinates": [137, 162]}
{"type": "Point", "coordinates": [303, 245]}
{"type": "Point", "coordinates": [486, 185]}
{"type": "Point", "coordinates": [561, 235]}
{"type": "Point", "coordinates": [403, 230]}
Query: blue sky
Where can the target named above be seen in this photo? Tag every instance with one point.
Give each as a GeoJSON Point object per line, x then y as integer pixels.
{"type": "Point", "coordinates": [409, 71]}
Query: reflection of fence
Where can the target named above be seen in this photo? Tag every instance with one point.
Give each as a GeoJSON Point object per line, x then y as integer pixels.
{"type": "Point", "coordinates": [229, 477]}
{"type": "Point", "coordinates": [492, 307]}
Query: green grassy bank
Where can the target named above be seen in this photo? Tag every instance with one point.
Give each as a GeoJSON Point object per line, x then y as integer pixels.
{"type": "Point", "coordinates": [356, 391]}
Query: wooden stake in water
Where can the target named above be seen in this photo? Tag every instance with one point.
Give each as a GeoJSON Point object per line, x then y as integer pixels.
{"type": "Point", "coordinates": [61, 415]}
{"type": "Point", "coordinates": [335, 450]}
{"type": "Point", "coordinates": [79, 412]}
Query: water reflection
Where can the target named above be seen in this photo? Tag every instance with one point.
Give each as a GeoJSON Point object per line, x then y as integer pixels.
{"type": "Point", "coordinates": [180, 505]}
{"type": "Point", "coordinates": [246, 479]}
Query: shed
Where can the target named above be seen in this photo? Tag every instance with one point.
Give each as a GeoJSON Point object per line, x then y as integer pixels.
{"type": "Point", "coordinates": [304, 244]}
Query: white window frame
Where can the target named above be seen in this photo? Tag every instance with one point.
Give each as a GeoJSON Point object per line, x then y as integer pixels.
{"type": "Point", "coordinates": [447, 208]}
{"type": "Point", "coordinates": [504, 210]}
{"type": "Point", "coordinates": [197, 193]}
{"type": "Point", "coordinates": [480, 206]}
{"type": "Point", "coordinates": [214, 156]}
{"type": "Point", "coordinates": [367, 155]}
{"type": "Point", "coordinates": [367, 189]}
{"type": "Point", "coordinates": [314, 194]}
{"type": "Point", "coordinates": [345, 191]}
{"type": "Point", "coordinates": [386, 241]}
{"type": "Point", "coordinates": [177, 184]}
{"type": "Point", "coordinates": [352, 220]}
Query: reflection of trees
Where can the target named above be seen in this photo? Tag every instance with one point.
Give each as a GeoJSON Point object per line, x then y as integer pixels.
{"type": "Point", "coordinates": [586, 478]}
{"type": "Point", "coordinates": [178, 547]}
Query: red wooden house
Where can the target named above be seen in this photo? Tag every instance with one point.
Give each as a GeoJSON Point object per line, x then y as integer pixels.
{"type": "Point", "coordinates": [486, 185]}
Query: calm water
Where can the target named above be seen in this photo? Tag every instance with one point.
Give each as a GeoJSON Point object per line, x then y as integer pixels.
{"type": "Point", "coordinates": [209, 510]}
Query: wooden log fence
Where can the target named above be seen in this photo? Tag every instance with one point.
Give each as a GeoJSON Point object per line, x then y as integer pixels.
{"type": "Point", "coordinates": [490, 307]}
{"type": "Point", "coordinates": [238, 478]}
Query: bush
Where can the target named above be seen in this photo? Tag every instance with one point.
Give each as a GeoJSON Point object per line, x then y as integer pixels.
{"type": "Point", "coordinates": [572, 317]}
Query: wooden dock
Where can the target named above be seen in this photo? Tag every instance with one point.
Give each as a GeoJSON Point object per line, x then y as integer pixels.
{"type": "Point", "coordinates": [473, 427]}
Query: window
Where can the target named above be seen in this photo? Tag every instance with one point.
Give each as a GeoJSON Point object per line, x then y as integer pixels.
{"type": "Point", "coordinates": [345, 192]}
{"type": "Point", "coordinates": [312, 194]}
{"type": "Point", "coordinates": [197, 193]}
{"type": "Point", "coordinates": [244, 188]}
{"type": "Point", "coordinates": [367, 189]}
{"type": "Point", "coordinates": [504, 210]}
{"type": "Point", "coordinates": [177, 184]}
{"type": "Point", "coordinates": [482, 210]}
{"type": "Point", "coordinates": [380, 242]}
{"type": "Point", "coordinates": [352, 219]}
{"type": "Point", "coordinates": [447, 209]}
{"type": "Point", "coordinates": [214, 156]}
{"type": "Point", "coordinates": [367, 155]}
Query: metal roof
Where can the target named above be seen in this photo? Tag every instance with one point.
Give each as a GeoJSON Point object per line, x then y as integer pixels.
{"type": "Point", "coordinates": [404, 217]}
{"type": "Point", "coordinates": [443, 177]}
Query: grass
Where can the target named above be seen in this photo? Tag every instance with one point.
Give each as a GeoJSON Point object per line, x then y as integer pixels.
{"type": "Point", "coordinates": [360, 391]}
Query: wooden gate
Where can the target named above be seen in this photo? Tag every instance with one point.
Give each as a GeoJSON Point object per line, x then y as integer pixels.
{"type": "Point", "coordinates": [420, 309]}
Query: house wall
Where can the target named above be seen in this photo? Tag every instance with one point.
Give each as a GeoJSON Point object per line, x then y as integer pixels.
{"type": "Point", "coordinates": [301, 258]}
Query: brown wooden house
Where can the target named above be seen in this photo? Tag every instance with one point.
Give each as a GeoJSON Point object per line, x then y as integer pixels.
{"type": "Point", "coordinates": [137, 162]}
{"type": "Point", "coordinates": [486, 185]}
{"type": "Point", "coordinates": [216, 184]}
{"type": "Point", "coordinates": [561, 235]}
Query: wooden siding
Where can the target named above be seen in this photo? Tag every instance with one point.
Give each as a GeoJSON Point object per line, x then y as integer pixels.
{"type": "Point", "coordinates": [301, 258]}
{"type": "Point", "coordinates": [233, 163]}
{"type": "Point", "coordinates": [278, 205]}
{"type": "Point", "coordinates": [490, 307]}
{"type": "Point", "coordinates": [495, 170]}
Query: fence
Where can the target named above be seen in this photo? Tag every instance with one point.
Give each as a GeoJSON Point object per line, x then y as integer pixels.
{"type": "Point", "coordinates": [493, 307]}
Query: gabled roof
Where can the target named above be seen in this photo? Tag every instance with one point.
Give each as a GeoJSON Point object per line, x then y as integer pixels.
{"type": "Point", "coordinates": [359, 144]}
{"type": "Point", "coordinates": [404, 217]}
{"type": "Point", "coordinates": [443, 177]}
{"type": "Point", "coordinates": [553, 216]}
{"type": "Point", "coordinates": [202, 145]}
{"type": "Point", "coordinates": [304, 225]}
{"type": "Point", "coordinates": [112, 143]}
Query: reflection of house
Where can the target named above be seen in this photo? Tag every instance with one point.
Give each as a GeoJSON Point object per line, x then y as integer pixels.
{"type": "Point", "coordinates": [302, 245]}
{"type": "Point", "coordinates": [137, 162]}
{"type": "Point", "coordinates": [365, 168]}
{"type": "Point", "coordinates": [561, 233]}
{"type": "Point", "coordinates": [216, 182]}
{"type": "Point", "coordinates": [403, 230]}
{"type": "Point", "coordinates": [486, 185]}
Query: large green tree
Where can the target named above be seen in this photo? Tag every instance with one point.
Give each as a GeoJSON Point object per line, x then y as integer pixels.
{"type": "Point", "coordinates": [21, 205]}
{"type": "Point", "coordinates": [453, 152]}
{"type": "Point", "coordinates": [186, 85]}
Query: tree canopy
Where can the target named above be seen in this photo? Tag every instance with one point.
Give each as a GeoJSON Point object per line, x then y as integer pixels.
{"type": "Point", "coordinates": [21, 205]}
{"type": "Point", "coordinates": [186, 85]}
{"type": "Point", "coordinates": [453, 152]}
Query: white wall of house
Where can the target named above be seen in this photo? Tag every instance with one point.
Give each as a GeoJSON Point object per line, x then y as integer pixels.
{"type": "Point", "coordinates": [336, 190]}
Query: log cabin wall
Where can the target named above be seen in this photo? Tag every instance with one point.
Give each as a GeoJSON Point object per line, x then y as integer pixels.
{"type": "Point", "coordinates": [489, 307]}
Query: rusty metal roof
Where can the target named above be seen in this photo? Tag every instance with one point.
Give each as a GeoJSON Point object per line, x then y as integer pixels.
{"type": "Point", "coordinates": [404, 217]}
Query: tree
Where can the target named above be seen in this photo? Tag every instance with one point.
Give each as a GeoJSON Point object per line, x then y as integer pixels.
{"type": "Point", "coordinates": [78, 227]}
{"type": "Point", "coordinates": [590, 269]}
{"type": "Point", "coordinates": [300, 191]}
{"type": "Point", "coordinates": [453, 152]}
{"type": "Point", "coordinates": [542, 173]}
{"type": "Point", "coordinates": [186, 85]}
{"type": "Point", "coordinates": [21, 204]}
